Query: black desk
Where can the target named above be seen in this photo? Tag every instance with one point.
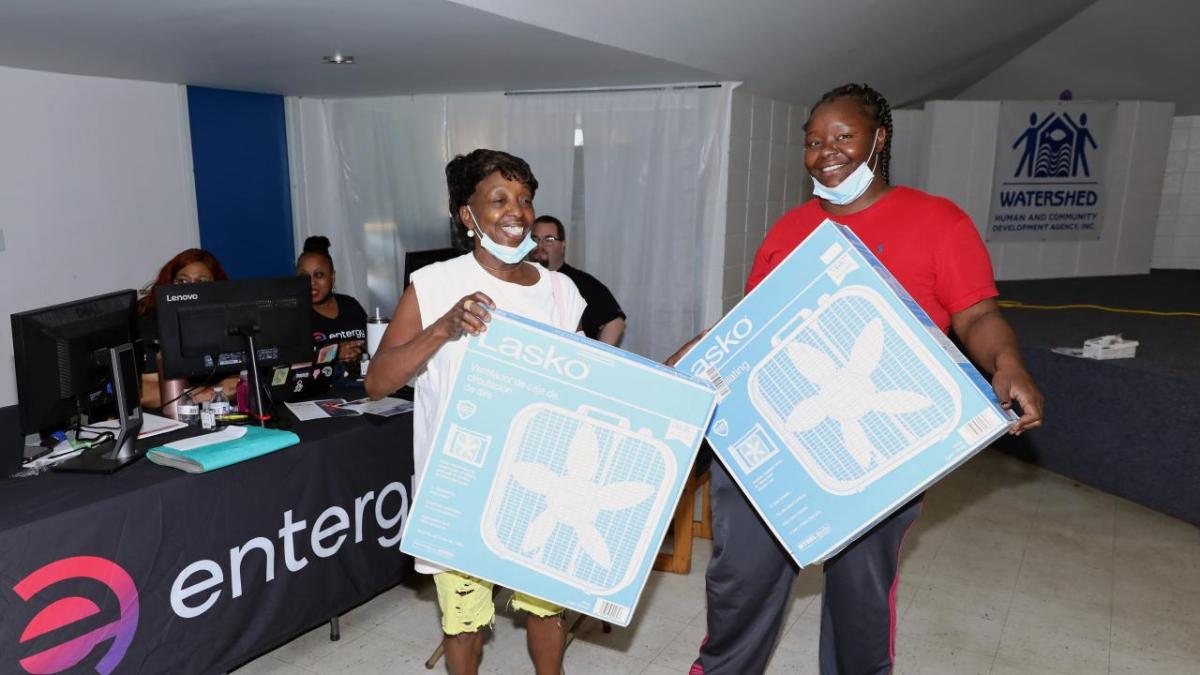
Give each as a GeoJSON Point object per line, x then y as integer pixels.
{"type": "Point", "coordinates": [198, 573]}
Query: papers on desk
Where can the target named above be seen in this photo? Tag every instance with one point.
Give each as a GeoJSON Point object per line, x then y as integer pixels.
{"type": "Point", "coordinates": [337, 407]}
{"type": "Point", "coordinates": [189, 444]}
{"type": "Point", "coordinates": [320, 409]}
{"type": "Point", "coordinates": [152, 425]}
{"type": "Point", "coordinates": [384, 407]}
{"type": "Point", "coordinates": [220, 449]}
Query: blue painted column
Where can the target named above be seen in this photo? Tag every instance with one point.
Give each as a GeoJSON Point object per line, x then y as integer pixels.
{"type": "Point", "coordinates": [243, 191]}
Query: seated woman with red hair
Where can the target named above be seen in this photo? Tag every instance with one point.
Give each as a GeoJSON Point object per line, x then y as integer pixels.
{"type": "Point", "coordinates": [192, 266]}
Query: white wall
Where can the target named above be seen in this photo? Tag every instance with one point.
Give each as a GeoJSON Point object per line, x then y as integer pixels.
{"type": "Point", "coordinates": [766, 179]}
{"type": "Point", "coordinates": [910, 148]}
{"type": "Point", "coordinates": [961, 160]}
{"type": "Point", "coordinates": [96, 190]}
{"type": "Point", "coordinates": [1177, 238]}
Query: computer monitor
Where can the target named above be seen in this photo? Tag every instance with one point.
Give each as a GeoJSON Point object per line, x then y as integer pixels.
{"type": "Point", "coordinates": [415, 260]}
{"type": "Point", "coordinates": [76, 358]}
{"type": "Point", "coordinates": [59, 352]}
{"type": "Point", "coordinates": [221, 327]}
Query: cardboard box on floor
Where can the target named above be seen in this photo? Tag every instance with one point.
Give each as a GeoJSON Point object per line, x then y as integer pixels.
{"type": "Point", "coordinates": [556, 466]}
{"type": "Point", "coordinates": [839, 399]}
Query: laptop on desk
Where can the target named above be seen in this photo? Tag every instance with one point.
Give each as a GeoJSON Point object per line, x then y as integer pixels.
{"type": "Point", "coordinates": [305, 381]}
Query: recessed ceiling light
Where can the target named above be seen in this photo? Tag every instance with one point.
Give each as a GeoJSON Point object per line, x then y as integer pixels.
{"type": "Point", "coordinates": [338, 60]}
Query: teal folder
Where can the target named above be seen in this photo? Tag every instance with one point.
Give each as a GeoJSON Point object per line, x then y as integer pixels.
{"type": "Point", "coordinates": [255, 443]}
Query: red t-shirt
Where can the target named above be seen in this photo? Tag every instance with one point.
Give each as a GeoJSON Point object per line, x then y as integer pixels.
{"type": "Point", "coordinates": [926, 242]}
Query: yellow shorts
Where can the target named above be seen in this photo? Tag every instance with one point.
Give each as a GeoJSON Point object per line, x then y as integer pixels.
{"type": "Point", "coordinates": [466, 603]}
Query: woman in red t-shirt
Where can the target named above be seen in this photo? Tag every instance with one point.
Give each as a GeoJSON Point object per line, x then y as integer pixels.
{"type": "Point", "coordinates": [933, 249]}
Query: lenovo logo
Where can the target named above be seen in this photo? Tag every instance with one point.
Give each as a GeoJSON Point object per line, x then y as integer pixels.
{"type": "Point", "coordinates": [71, 609]}
{"type": "Point", "coordinates": [182, 296]}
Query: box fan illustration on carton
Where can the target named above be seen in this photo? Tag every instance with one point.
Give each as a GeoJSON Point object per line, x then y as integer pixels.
{"type": "Point", "coordinates": [852, 391]}
{"type": "Point", "coordinates": [556, 466]}
{"type": "Point", "coordinates": [576, 496]}
{"type": "Point", "coordinates": [839, 399]}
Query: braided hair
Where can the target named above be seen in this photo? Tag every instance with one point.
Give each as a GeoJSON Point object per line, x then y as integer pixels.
{"type": "Point", "coordinates": [875, 107]}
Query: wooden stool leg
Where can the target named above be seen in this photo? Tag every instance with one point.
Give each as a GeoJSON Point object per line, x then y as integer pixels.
{"type": "Point", "coordinates": [703, 527]}
{"type": "Point", "coordinates": [679, 560]}
{"type": "Point", "coordinates": [435, 656]}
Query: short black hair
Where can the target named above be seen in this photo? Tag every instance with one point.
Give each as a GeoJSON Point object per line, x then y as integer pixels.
{"type": "Point", "coordinates": [317, 245]}
{"type": "Point", "coordinates": [558, 226]}
{"type": "Point", "coordinates": [874, 106]}
{"type": "Point", "coordinates": [465, 172]}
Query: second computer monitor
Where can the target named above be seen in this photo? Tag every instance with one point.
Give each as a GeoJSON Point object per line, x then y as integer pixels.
{"type": "Point", "coordinates": [202, 327]}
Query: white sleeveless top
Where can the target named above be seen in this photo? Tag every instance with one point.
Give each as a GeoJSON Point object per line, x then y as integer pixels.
{"type": "Point", "coordinates": [438, 287]}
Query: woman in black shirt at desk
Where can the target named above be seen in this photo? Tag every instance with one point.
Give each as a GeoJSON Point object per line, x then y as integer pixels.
{"type": "Point", "coordinates": [337, 319]}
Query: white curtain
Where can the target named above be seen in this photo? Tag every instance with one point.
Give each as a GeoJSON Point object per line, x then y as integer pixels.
{"type": "Point", "coordinates": [369, 173]}
{"type": "Point", "coordinates": [541, 130]}
{"type": "Point", "coordinates": [655, 176]}
{"type": "Point", "coordinates": [370, 176]}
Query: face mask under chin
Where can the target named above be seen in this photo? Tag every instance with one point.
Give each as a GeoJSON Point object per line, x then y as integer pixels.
{"type": "Point", "coordinates": [852, 187]}
{"type": "Point", "coordinates": [505, 254]}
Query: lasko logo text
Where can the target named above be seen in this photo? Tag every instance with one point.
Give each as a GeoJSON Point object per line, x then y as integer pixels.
{"type": "Point", "coordinates": [71, 609]}
{"type": "Point", "coordinates": [536, 355]}
{"type": "Point", "coordinates": [717, 353]}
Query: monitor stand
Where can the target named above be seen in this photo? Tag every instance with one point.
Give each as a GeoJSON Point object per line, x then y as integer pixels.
{"type": "Point", "coordinates": [105, 457]}
{"type": "Point", "coordinates": [110, 456]}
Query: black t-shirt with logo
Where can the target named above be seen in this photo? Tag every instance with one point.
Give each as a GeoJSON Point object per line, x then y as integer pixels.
{"type": "Point", "coordinates": [601, 308]}
{"type": "Point", "coordinates": [350, 324]}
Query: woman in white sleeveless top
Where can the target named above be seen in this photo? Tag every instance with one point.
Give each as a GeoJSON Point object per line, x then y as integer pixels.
{"type": "Point", "coordinates": [491, 203]}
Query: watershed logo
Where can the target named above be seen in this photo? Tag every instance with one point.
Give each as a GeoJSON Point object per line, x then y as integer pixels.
{"type": "Point", "coordinates": [72, 609]}
{"type": "Point", "coordinates": [1054, 146]}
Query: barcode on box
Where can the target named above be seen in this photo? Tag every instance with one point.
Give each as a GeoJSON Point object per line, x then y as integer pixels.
{"type": "Point", "coordinates": [981, 426]}
{"type": "Point", "coordinates": [718, 382]}
{"type": "Point", "coordinates": [611, 610]}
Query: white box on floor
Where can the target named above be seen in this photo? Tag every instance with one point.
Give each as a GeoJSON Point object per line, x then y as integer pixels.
{"type": "Point", "coordinates": [557, 465]}
{"type": "Point", "coordinates": [839, 399]}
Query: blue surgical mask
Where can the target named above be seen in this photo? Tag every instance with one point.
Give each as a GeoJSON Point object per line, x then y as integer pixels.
{"type": "Point", "coordinates": [505, 254]}
{"type": "Point", "coordinates": [853, 187]}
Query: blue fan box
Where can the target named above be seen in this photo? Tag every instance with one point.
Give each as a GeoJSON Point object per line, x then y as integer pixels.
{"type": "Point", "coordinates": [839, 399]}
{"type": "Point", "coordinates": [556, 466]}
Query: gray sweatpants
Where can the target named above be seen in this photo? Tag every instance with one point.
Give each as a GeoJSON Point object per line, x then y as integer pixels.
{"type": "Point", "coordinates": [749, 582]}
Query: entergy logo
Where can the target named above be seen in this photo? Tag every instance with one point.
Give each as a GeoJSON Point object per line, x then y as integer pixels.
{"type": "Point", "coordinates": [71, 609]}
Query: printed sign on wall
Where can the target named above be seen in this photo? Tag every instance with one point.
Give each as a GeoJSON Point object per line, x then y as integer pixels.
{"type": "Point", "coordinates": [1048, 183]}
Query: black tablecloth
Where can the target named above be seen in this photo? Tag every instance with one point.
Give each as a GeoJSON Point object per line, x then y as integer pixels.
{"type": "Point", "coordinates": [151, 570]}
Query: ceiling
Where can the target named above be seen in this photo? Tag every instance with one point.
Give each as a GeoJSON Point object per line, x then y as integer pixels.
{"type": "Point", "coordinates": [275, 46]}
{"type": "Point", "coordinates": [792, 50]}
{"type": "Point", "coordinates": [1114, 49]}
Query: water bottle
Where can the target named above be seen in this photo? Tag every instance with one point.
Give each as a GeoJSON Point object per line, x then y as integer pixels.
{"type": "Point", "coordinates": [188, 411]}
{"type": "Point", "coordinates": [219, 403]}
{"type": "Point", "coordinates": [243, 392]}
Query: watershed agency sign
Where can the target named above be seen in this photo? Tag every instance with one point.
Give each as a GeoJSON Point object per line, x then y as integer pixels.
{"type": "Point", "coordinates": [1048, 184]}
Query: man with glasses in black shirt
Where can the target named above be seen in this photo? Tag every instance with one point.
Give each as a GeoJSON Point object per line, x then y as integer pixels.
{"type": "Point", "coordinates": [603, 319]}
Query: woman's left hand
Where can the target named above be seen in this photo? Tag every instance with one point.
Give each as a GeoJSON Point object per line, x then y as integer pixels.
{"type": "Point", "coordinates": [1014, 384]}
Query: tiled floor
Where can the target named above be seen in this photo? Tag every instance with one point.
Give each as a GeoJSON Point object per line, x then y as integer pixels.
{"type": "Point", "coordinates": [1010, 569]}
